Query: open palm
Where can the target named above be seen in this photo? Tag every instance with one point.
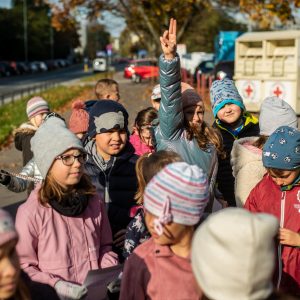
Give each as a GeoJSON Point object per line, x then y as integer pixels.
{"type": "Point", "coordinates": [168, 40]}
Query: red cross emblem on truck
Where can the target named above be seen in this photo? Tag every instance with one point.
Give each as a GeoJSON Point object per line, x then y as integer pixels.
{"type": "Point", "coordinates": [277, 92]}
{"type": "Point", "coordinates": [248, 90]}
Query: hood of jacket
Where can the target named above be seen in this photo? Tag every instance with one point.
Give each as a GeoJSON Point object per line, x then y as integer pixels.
{"type": "Point", "coordinates": [244, 153]}
{"type": "Point", "coordinates": [26, 128]}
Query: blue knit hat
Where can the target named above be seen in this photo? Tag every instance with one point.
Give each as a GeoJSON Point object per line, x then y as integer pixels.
{"type": "Point", "coordinates": [178, 193]}
{"type": "Point", "coordinates": [282, 149]}
{"type": "Point", "coordinates": [223, 92]}
{"type": "Point", "coordinates": [107, 115]}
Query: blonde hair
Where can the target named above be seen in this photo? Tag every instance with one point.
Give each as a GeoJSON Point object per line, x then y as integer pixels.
{"type": "Point", "coordinates": [104, 87]}
{"type": "Point", "coordinates": [50, 189]}
{"type": "Point", "coordinates": [150, 164]}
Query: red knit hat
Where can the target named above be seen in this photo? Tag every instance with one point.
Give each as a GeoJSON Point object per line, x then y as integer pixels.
{"type": "Point", "coordinates": [79, 119]}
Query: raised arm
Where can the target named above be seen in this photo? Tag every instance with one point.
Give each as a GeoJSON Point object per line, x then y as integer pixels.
{"type": "Point", "coordinates": [170, 111]}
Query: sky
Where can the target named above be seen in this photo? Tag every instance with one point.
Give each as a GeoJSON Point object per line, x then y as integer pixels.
{"type": "Point", "coordinates": [5, 3]}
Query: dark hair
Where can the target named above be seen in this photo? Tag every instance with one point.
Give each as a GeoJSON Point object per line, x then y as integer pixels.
{"type": "Point", "coordinates": [150, 164]}
{"type": "Point", "coordinates": [50, 189]}
{"type": "Point", "coordinates": [103, 86]}
{"type": "Point", "coordinates": [145, 117]}
{"type": "Point", "coordinates": [260, 142]}
{"type": "Point", "coordinates": [206, 135]}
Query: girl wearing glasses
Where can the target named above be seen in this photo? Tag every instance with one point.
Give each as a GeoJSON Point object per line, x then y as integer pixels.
{"type": "Point", "coordinates": [64, 230]}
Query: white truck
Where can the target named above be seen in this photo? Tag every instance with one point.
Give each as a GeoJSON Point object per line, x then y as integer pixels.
{"type": "Point", "coordinates": [268, 64]}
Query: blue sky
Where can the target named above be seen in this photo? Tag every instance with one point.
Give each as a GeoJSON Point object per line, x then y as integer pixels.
{"type": "Point", "coordinates": [5, 3]}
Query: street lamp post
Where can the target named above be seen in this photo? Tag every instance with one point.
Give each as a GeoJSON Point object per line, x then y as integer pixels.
{"type": "Point", "coordinates": [25, 30]}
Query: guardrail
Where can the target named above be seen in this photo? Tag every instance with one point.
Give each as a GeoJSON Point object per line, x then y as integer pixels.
{"type": "Point", "coordinates": [20, 93]}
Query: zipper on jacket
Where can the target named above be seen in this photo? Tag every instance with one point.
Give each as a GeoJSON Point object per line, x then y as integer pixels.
{"type": "Point", "coordinates": [106, 190]}
{"type": "Point", "coordinates": [281, 224]}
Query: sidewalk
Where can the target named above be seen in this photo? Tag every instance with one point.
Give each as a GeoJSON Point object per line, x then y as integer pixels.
{"type": "Point", "coordinates": [133, 96]}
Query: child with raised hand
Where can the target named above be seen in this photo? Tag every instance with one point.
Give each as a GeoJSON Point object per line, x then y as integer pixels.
{"type": "Point", "coordinates": [160, 268]}
{"type": "Point", "coordinates": [146, 167]}
{"type": "Point", "coordinates": [233, 122]}
{"type": "Point", "coordinates": [36, 109]}
{"type": "Point", "coordinates": [141, 138]}
{"type": "Point", "coordinates": [181, 127]}
{"type": "Point", "coordinates": [63, 226]}
{"type": "Point", "coordinates": [111, 164]}
{"type": "Point", "coordinates": [15, 283]}
{"type": "Point", "coordinates": [246, 154]}
{"type": "Point", "coordinates": [278, 194]}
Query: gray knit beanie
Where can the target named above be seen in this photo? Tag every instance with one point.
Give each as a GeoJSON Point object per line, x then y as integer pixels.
{"type": "Point", "coordinates": [233, 255]}
{"type": "Point", "coordinates": [275, 112]}
{"type": "Point", "coordinates": [50, 140]}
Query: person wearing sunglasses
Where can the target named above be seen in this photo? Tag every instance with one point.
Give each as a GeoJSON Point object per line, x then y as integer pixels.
{"type": "Point", "coordinates": [63, 226]}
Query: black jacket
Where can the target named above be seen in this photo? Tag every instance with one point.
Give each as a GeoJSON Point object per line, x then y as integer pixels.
{"type": "Point", "coordinates": [225, 178]}
{"type": "Point", "coordinates": [121, 181]}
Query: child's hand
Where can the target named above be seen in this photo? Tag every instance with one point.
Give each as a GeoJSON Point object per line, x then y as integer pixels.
{"type": "Point", "coordinates": [289, 237]}
{"type": "Point", "coordinates": [168, 41]}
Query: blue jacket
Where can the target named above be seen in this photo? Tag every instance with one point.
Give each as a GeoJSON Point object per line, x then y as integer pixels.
{"type": "Point", "coordinates": [170, 133]}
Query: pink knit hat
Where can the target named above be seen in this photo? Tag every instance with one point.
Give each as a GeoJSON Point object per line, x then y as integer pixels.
{"type": "Point", "coordinates": [178, 193]}
{"type": "Point", "coordinates": [189, 96]}
{"type": "Point", "coordinates": [7, 228]}
{"type": "Point", "coordinates": [35, 106]}
{"type": "Point", "coordinates": [79, 119]}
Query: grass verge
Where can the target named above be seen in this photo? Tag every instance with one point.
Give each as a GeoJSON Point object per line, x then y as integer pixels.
{"type": "Point", "coordinates": [98, 76]}
{"type": "Point", "coordinates": [13, 115]}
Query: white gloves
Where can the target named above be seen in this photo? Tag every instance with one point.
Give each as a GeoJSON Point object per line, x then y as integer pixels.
{"type": "Point", "coordinates": [67, 290]}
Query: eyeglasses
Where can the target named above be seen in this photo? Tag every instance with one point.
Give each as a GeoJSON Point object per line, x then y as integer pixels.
{"type": "Point", "coordinates": [53, 114]}
{"type": "Point", "coordinates": [68, 160]}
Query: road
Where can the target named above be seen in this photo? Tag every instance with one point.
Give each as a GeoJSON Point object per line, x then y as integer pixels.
{"type": "Point", "coordinates": [17, 83]}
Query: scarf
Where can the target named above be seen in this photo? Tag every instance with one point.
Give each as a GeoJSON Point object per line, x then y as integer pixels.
{"type": "Point", "coordinates": [72, 206]}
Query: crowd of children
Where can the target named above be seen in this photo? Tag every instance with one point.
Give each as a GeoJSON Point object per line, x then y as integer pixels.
{"type": "Point", "coordinates": [104, 196]}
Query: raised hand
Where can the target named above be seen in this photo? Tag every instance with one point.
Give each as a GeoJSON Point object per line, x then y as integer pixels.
{"type": "Point", "coordinates": [168, 40]}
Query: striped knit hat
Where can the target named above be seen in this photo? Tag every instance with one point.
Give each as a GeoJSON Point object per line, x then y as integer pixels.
{"type": "Point", "coordinates": [178, 193]}
{"type": "Point", "coordinates": [223, 92]}
{"type": "Point", "coordinates": [36, 106]}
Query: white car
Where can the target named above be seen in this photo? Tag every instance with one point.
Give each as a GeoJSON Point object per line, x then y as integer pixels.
{"type": "Point", "coordinates": [100, 65]}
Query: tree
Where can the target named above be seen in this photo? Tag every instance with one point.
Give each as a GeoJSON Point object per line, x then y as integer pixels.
{"type": "Point", "coordinates": [147, 18]}
{"type": "Point", "coordinates": [97, 39]}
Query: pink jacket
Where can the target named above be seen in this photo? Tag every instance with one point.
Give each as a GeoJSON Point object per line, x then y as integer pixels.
{"type": "Point", "coordinates": [53, 247]}
{"type": "Point", "coordinates": [140, 147]}
{"type": "Point", "coordinates": [155, 272]}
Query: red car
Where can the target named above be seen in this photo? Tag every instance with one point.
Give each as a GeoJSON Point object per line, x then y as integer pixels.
{"type": "Point", "coordinates": [141, 69]}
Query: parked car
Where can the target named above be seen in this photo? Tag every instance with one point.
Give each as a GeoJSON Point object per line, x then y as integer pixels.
{"type": "Point", "coordinates": [120, 63]}
{"type": "Point", "coordinates": [22, 68]}
{"type": "Point", "coordinates": [5, 69]}
{"type": "Point", "coordinates": [100, 64]}
{"type": "Point", "coordinates": [205, 67]}
{"type": "Point", "coordinates": [141, 69]}
{"type": "Point", "coordinates": [224, 69]}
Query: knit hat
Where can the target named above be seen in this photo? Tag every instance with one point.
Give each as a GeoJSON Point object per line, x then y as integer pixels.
{"type": "Point", "coordinates": [178, 193]}
{"type": "Point", "coordinates": [282, 149]}
{"type": "Point", "coordinates": [36, 106]}
{"type": "Point", "coordinates": [107, 115]}
{"type": "Point", "coordinates": [233, 255]}
{"type": "Point", "coordinates": [156, 94]}
{"type": "Point", "coordinates": [79, 119]}
{"type": "Point", "coordinates": [189, 95]}
{"type": "Point", "coordinates": [7, 228]}
{"type": "Point", "coordinates": [223, 92]}
{"type": "Point", "coordinates": [50, 140]}
{"type": "Point", "coordinates": [275, 112]}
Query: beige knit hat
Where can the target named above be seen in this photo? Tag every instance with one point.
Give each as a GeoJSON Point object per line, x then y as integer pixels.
{"type": "Point", "coordinates": [233, 255]}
